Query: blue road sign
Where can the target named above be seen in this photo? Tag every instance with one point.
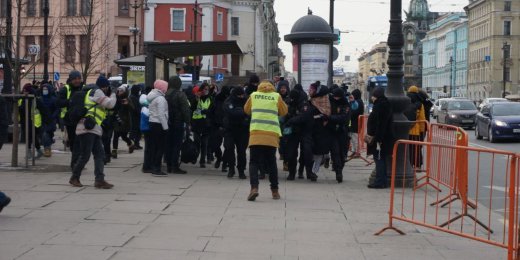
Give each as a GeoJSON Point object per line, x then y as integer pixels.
{"type": "Point", "coordinates": [219, 77]}
{"type": "Point", "coordinates": [56, 76]}
{"type": "Point", "coordinates": [487, 58]}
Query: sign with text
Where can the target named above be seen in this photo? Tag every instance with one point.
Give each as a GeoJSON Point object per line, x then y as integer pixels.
{"type": "Point", "coordinates": [33, 49]}
{"type": "Point", "coordinates": [314, 64]}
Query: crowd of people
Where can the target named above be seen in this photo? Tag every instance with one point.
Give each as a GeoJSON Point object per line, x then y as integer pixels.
{"type": "Point", "coordinates": [309, 129]}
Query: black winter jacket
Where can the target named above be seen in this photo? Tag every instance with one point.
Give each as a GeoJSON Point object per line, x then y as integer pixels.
{"type": "Point", "coordinates": [380, 126]}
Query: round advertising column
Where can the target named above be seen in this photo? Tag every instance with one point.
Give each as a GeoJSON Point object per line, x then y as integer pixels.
{"type": "Point", "coordinates": [312, 38]}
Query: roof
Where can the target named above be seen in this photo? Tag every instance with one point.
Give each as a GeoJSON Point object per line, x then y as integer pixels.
{"type": "Point", "coordinates": [174, 50]}
{"type": "Point", "coordinates": [135, 60]}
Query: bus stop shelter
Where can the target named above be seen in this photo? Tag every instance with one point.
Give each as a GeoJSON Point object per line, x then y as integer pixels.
{"type": "Point", "coordinates": [159, 56]}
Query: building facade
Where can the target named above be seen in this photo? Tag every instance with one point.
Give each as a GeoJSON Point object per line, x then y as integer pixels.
{"type": "Point", "coordinates": [417, 23]}
{"type": "Point", "coordinates": [445, 56]}
{"type": "Point", "coordinates": [69, 47]}
{"type": "Point", "coordinates": [491, 24]}
{"type": "Point", "coordinates": [250, 22]}
{"type": "Point", "coordinates": [373, 63]}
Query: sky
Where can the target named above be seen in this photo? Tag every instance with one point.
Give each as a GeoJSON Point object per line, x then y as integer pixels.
{"type": "Point", "coordinates": [367, 21]}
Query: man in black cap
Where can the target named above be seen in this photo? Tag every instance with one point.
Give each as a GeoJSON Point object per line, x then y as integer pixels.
{"type": "Point", "coordinates": [74, 84]}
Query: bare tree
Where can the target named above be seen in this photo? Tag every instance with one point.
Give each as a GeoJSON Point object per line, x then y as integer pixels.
{"type": "Point", "coordinates": [94, 42]}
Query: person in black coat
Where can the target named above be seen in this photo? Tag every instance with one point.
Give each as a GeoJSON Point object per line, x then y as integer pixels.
{"type": "Point", "coordinates": [298, 129]}
{"type": "Point", "coordinates": [216, 117]}
{"type": "Point", "coordinates": [135, 116]}
{"type": "Point", "coordinates": [283, 90]}
{"type": "Point", "coordinates": [357, 108]}
{"type": "Point", "coordinates": [338, 122]}
{"type": "Point", "coordinates": [379, 136]}
{"type": "Point", "coordinates": [236, 125]}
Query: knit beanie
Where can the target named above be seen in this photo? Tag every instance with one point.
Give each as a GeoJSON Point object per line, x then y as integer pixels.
{"type": "Point", "coordinates": [102, 82]}
{"type": "Point", "coordinates": [160, 85]}
{"type": "Point", "coordinates": [74, 74]}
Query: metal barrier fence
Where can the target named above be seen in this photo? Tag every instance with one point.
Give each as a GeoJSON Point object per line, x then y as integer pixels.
{"type": "Point", "coordinates": [489, 178]}
{"type": "Point", "coordinates": [361, 145]}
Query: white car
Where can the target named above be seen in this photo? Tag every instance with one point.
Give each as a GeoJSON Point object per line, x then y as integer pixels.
{"type": "Point", "coordinates": [437, 107]}
{"type": "Point", "coordinates": [488, 101]}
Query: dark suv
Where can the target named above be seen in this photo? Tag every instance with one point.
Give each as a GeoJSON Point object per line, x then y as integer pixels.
{"type": "Point", "coordinates": [458, 112]}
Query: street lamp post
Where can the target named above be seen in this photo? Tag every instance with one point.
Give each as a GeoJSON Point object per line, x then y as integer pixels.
{"type": "Point", "coordinates": [395, 94]}
{"type": "Point", "coordinates": [505, 49]}
{"type": "Point", "coordinates": [451, 76]}
{"type": "Point", "coordinates": [45, 41]}
{"type": "Point", "coordinates": [134, 30]}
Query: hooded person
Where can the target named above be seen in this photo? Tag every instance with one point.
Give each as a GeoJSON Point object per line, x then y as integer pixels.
{"type": "Point", "coordinates": [357, 108]}
{"type": "Point", "coordinates": [123, 124]}
{"type": "Point", "coordinates": [252, 84]}
{"type": "Point", "coordinates": [158, 120]}
{"type": "Point", "coordinates": [179, 121]}
{"type": "Point", "coordinates": [48, 99]}
{"type": "Point", "coordinates": [216, 117]}
{"type": "Point", "coordinates": [264, 106]}
{"type": "Point", "coordinates": [338, 122]}
{"type": "Point", "coordinates": [283, 89]}
{"type": "Point", "coordinates": [200, 121]}
{"type": "Point", "coordinates": [303, 94]}
{"type": "Point", "coordinates": [379, 139]}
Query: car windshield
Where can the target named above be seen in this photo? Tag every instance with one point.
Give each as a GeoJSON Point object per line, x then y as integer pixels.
{"type": "Point", "coordinates": [461, 105]}
{"type": "Point", "coordinates": [506, 110]}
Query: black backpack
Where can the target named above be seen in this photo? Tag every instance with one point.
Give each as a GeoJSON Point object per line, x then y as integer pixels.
{"type": "Point", "coordinates": [189, 151]}
{"type": "Point", "coordinates": [411, 111]}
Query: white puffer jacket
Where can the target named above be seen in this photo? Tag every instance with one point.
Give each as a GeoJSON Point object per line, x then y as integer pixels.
{"type": "Point", "coordinates": [158, 108]}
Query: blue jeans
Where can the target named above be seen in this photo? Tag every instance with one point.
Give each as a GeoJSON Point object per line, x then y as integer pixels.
{"type": "Point", "coordinates": [381, 176]}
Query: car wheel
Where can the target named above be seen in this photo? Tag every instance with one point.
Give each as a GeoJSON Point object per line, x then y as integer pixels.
{"type": "Point", "coordinates": [491, 137]}
{"type": "Point", "coordinates": [477, 134]}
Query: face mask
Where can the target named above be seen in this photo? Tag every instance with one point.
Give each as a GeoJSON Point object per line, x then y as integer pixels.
{"type": "Point", "coordinates": [45, 92]}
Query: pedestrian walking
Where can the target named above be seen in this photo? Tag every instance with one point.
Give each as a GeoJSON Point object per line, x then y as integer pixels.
{"type": "Point", "coordinates": [48, 99]}
{"type": "Point", "coordinates": [89, 132]}
{"type": "Point", "coordinates": [158, 109]}
{"type": "Point", "coordinates": [379, 136]}
{"type": "Point", "coordinates": [283, 90]}
{"type": "Point", "coordinates": [339, 119]}
{"type": "Point", "coordinates": [216, 117]}
{"type": "Point", "coordinates": [179, 120]}
{"type": "Point", "coordinates": [320, 110]}
{"type": "Point", "coordinates": [416, 113]}
{"type": "Point", "coordinates": [123, 122]}
{"type": "Point", "coordinates": [264, 106]}
{"type": "Point", "coordinates": [200, 122]}
{"type": "Point", "coordinates": [236, 125]}
{"type": "Point", "coordinates": [357, 108]}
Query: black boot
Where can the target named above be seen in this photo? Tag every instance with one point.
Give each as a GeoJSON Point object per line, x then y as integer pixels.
{"type": "Point", "coordinates": [217, 163]}
{"type": "Point", "coordinates": [231, 172]}
{"type": "Point", "coordinates": [241, 175]}
{"type": "Point", "coordinates": [291, 176]}
{"type": "Point", "coordinates": [339, 176]}
{"type": "Point", "coordinates": [224, 167]}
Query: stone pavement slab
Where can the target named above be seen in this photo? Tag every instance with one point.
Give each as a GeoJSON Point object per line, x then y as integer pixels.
{"type": "Point", "coordinates": [205, 215]}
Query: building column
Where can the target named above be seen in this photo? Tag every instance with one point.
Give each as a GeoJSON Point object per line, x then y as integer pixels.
{"type": "Point", "coordinates": [149, 23]}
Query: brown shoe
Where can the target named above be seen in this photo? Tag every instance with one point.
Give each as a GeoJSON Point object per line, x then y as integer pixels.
{"type": "Point", "coordinates": [253, 194]}
{"type": "Point", "coordinates": [75, 183]}
{"type": "Point", "coordinates": [276, 195]}
{"type": "Point", "coordinates": [131, 148]}
{"type": "Point", "coordinates": [47, 152]}
{"type": "Point", "coordinates": [103, 185]}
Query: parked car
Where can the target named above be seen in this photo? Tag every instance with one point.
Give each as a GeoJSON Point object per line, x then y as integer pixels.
{"type": "Point", "coordinates": [500, 120]}
{"type": "Point", "coordinates": [437, 107]}
{"type": "Point", "coordinates": [488, 101]}
{"type": "Point", "coordinates": [458, 112]}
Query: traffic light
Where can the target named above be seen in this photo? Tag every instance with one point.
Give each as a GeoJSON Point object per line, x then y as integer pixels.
{"type": "Point", "coordinates": [337, 32]}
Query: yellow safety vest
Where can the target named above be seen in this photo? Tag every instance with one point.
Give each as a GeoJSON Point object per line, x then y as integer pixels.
{"type": "Point", "coordinates": [98, 113]}
{"type": "Point", "coordinates": [37, 116]}
{"type": "Point", "coordinates": [264, 112]}
{"type": "Point", "coordinates": [202, 105]}
{"type": "Point", "coordinates": [64, 109]}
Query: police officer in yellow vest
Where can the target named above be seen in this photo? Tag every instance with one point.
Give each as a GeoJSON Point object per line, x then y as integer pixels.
{"type": "Point", "coordinates": [74, 83]}
{"type": "Point", "coordinates": [88, 133]}
{"type": "Point", "coordinates": [265, 107]}
{"type": "Point", "coordinates": [199, 121]}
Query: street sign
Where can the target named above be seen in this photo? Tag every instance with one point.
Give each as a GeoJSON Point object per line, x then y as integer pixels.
{"type": "Point", "coordinates": [33, 49]}
{"type": "Point", "coordinates": [219, 77]}
{"type": "Point", "coordinates": [56, 76]}
{"type": "Point", "coordinates": [487, 58]}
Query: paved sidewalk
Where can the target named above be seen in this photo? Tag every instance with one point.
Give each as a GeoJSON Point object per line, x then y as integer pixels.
{"type": "Point", "coordinates": [204, 215]}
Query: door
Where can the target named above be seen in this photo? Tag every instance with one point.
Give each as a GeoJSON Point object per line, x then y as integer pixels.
{"type": "Point", "coordinates": [235, 65]}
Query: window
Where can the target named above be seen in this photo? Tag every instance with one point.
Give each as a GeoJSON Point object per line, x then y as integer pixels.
{"type": "Point", "coordinates": [123, 8]}
{"type": "Point", "coordinates": [220, 23]}
{"type": "Point", "coordinates": [507, 74]}
{"type": "Point", "coordinates": [507, 27]}
{"type": "Point", "coordinates": [178, 19]}
{"type": "Point", "coordinates": [123, 46]}
{"type": "Point", "coordinates": [235, 26]}
{"type": "Point", "coordinates": [84, 48]}
{"type": "Point", "coordinates": [3, 8]}
{"type": "Point", "coordinates": [85, 8]}
{"type": "Point", "coordinates": [70, 48]}
{"type": "Point", "coordinates": [31, 8]}
{"type": "Point", "coordinates": [507, 51]}
{"type": "Point", "coordinates": [507, 6]}
{"type": "Point", "coordinates": [71, 7]}
{"type": "Point", "coordinates": [29, 40]}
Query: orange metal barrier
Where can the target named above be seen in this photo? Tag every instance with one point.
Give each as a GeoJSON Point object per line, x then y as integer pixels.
{"type": "Point", "coordinates": [490, 178]}
{"type": "Point", "coordinates": [361, 145]}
